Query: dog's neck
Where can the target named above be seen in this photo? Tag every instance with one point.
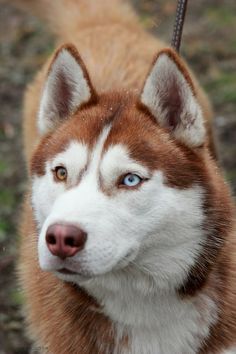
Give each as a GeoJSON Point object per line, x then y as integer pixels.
{"type": "Point", "coordinates": [154, 320]}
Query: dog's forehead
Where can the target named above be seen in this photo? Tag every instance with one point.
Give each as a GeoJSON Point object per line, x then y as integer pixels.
{"type": "Point", "coordinates": [126, 126]}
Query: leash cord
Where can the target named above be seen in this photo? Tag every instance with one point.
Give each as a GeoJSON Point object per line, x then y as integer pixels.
{"type": "Point", "coordinates": [179, 23]}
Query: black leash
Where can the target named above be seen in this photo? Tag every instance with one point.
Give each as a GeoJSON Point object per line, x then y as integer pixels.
{"type": "Point", "coordinates": [179, 23]}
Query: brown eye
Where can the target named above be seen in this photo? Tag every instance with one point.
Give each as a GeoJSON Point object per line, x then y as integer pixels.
{"type": "Point", "coordinates": [60, 173]}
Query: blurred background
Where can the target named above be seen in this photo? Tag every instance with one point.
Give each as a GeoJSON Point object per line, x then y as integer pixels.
{"type": "Point", "coordinates": [209, 45]}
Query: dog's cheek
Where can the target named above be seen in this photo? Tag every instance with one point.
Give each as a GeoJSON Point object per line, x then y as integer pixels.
{"type": "Point", "coordinates": [44, 193]}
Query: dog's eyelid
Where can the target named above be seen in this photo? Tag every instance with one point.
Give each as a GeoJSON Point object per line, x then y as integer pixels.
{"type": "Point", "coordinates": [55, 164]}
{"type": "Point", "coordinates": [142, 174]}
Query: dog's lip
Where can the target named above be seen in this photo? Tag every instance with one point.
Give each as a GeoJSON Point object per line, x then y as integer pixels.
{"type": "Point", "coordinates": [66, 271]}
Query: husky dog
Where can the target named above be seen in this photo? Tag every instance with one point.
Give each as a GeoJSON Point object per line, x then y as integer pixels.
{"type": "Point", "coordinates": [128, 240]}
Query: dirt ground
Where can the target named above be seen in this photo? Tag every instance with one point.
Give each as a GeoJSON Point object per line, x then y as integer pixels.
{"type": "Point", "coordinates": [209, 44]}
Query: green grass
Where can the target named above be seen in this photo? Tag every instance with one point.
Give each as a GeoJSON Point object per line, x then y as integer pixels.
{"type": "Point", "coordinates": [221, 16]}
{"type": "Point", "coordinates": [16, 297]}
{"type": "Point", "coordinates": [4, 228]}
{"type": "Point", "coordinates": [7, 199]}
{"type": "Point", "coordinates": [3, 166]}
{"type": "Point", "coordinates": [231, 175]}
{"type": "Point", "coordinates": [223, 88]}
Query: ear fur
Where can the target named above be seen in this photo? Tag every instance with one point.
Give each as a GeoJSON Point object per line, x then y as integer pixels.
{"type": "Point", "coordinates": [169, 95]}
{"type": "Point", "coordinates": [67, 87]}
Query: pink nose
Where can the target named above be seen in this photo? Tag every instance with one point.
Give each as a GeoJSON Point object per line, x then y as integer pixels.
{"type": "Point", "coordinates": [65, 240]}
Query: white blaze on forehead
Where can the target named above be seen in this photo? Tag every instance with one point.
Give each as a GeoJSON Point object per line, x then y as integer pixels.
{"type": "Point", "coordinates": [97, 152]}
{"type": "Point", "coordinates": [116, 161]}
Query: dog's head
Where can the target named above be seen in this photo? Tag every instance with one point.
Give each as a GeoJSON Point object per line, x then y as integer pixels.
{"type": "Point", "coordinates": [118, 180]}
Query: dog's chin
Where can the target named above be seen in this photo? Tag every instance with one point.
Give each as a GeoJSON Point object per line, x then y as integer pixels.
{"type": "Point", "coordinates": [81, 275]}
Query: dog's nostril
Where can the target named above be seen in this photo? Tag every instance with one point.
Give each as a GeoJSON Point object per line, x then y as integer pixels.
{"type": "Point", "coordinates": [70, 241]}
{"type": "Point", "coordinates": [51, 239]}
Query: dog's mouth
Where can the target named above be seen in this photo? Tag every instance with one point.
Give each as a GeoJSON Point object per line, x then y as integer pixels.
{"type": "Point", "coordinates": [66, 271]}
{"type": "Point", "coordinates": [79, 274]}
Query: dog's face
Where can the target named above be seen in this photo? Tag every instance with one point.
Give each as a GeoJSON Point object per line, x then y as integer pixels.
{"type": "Point", "coordinates": [116, 179]}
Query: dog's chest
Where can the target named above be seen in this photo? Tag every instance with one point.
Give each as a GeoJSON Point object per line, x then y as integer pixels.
{"type": "Point", "coordinates": [175, 339]}
{"type": "Point", "coordinates": [164, 326]}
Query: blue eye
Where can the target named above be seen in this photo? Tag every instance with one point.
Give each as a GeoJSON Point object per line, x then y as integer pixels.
{"type": "Point", "coordinates": [131, 180]}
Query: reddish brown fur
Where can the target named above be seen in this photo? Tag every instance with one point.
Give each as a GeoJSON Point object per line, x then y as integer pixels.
{"type": "Point", "coordinates": [55, 309]}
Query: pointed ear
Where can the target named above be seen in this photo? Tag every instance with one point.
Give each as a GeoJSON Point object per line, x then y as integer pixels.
{"type": "Point", "coordinates": [67, 87]}
{"type": "Point", "coordinates": [169, 95]}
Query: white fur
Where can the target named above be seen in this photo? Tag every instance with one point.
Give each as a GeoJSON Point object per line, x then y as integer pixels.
{"type": "Point", "coordinates": [141, 245]}
{"type": "Point", "coordinates": [179, 326]}
{"type": "Point", "coordinates": [190, 129]}
{"type": "Point", "coordinates": [230, 351]}
{"type": "Point", "coordinates": [74, 78]}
